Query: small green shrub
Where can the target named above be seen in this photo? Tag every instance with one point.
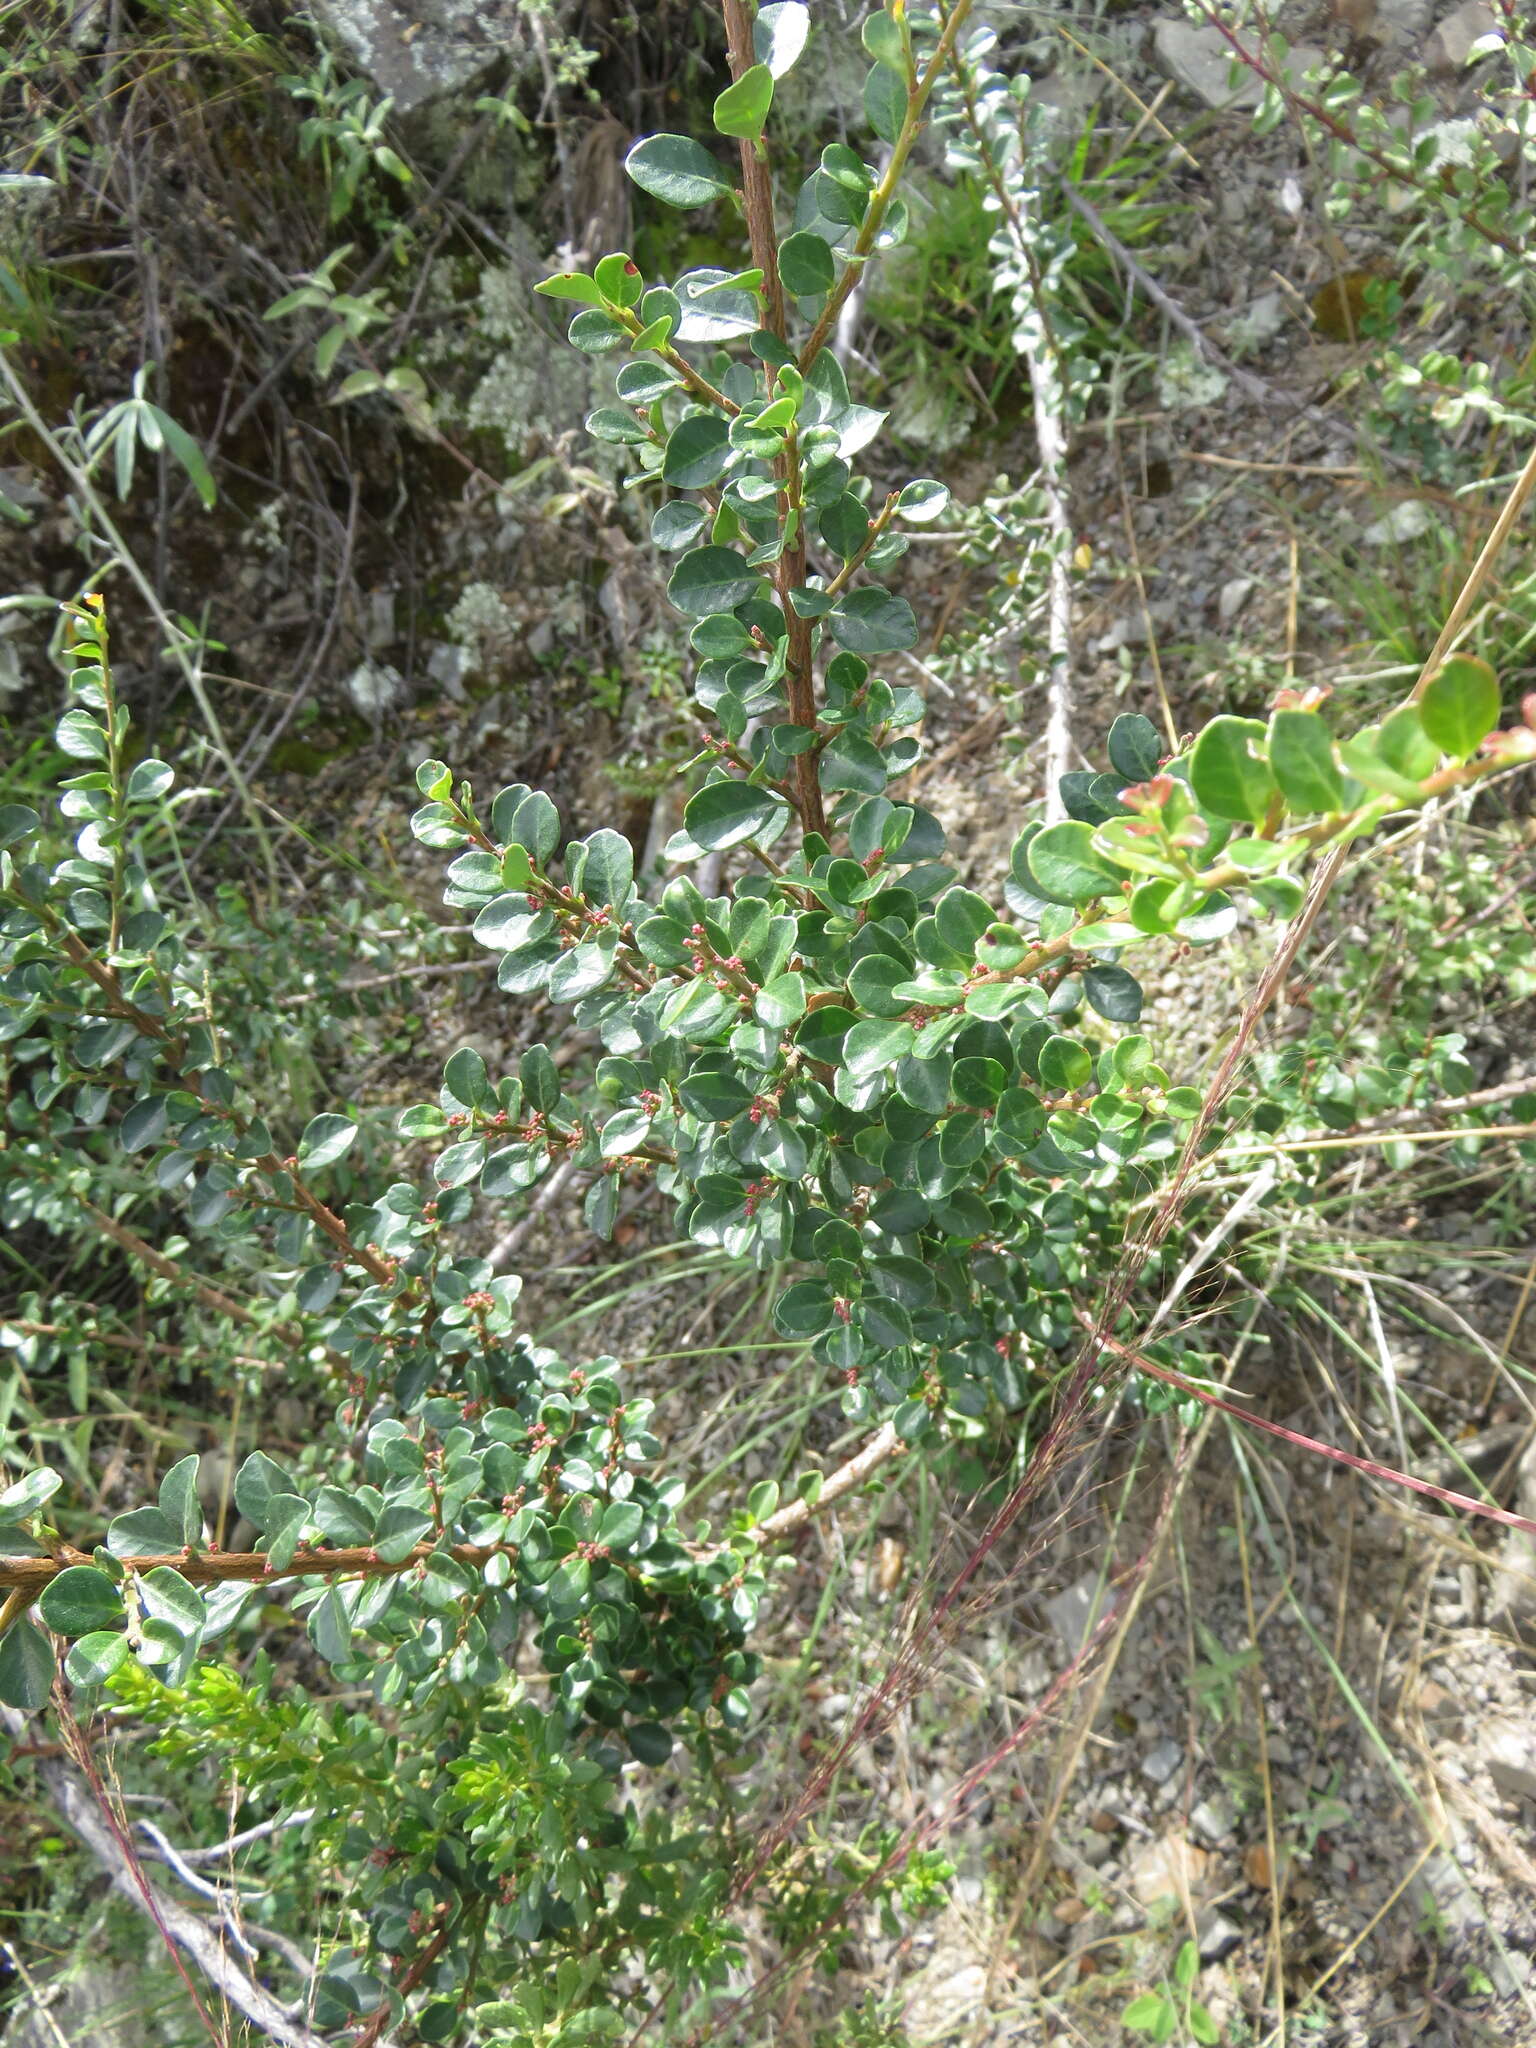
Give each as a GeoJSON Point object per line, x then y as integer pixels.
{"type": "Point", "coordinates": [923, 1109]}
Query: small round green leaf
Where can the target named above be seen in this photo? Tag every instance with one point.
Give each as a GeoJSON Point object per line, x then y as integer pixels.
{"type": "Point", "coordinates": [93, 1659]}
{"type": "Point", "coordinates": [325, 1139]}
{"type": "Point", "coordinates": [26, 1668]}
{"type": "Point", "coordinates": [1135, 747]}
{"type": "Point", "coordinates": [676, 170]}
{"type": "Point", "coordinates": [1066, 867]}
{"type": "Point", "coordinates": [779, 33]}
{"type": "Point", "coordinates": [1301, 758]}
{"type": "Point", "coordinates": [873, 621]}
{"type": "Point", "coordinates": [1113, 993]}
{"type": "Point", "coordinates": [80, 1600]}
{"type": "Point", "coordinates": [1229, 772]}
{"type": "Point", "coordinates": [725, 813]}
{"type": "Point", "coordinates": [742, 108]}
{"type": "Point", "coordinates": [650, 1742]}
{"type": "Point", "coordinates": [711, 580]}
{"type": "Point", "coordinates": [806, 268]}
{"type": "Point", "coordinates": [1460, 706]}
{"type": "Point", "coordinates": [697, 452]}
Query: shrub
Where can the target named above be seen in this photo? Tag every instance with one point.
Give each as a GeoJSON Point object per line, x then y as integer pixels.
{"type": "Point", "coordinates": [833, 1057]}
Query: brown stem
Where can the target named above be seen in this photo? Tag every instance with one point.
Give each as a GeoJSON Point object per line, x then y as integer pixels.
{"type": "Point", "coordinates": [140, 1248]}
{"type": "Point", "coordinates": [379, 2020]}
{"type": "Point", "coordinates": [121, 1339]}
{"type": "Point", "coordinates": [756, 179]}
{"type": "Point", "coordinates": [789, 570]}
{"type": "Point", "coordinates": [30, 1575]}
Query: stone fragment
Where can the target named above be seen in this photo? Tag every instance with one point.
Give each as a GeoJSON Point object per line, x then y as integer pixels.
{"type": "Point", "coordinates": [1392, 22]}
{"type": "Point", "coordinates": [1216, 1934]}
{"type": "Point", "coordinates": [1512, 1595]}
{"type": "Point", "coordinates": [1078, 1609]}
{"type": "Point", "coordinates": [1448, 1892]}
{"type": "Point", "coordinates": [1235, 593]}
{"type": "Point", "coordinates": [1509, 1752]}
{"type": "Point", "coordinates": [418, 50]}
{"type": "Point", "coordinates": [1406, 521]}
{"type": "Point", "coordinates": [1447, 49]}
{"type": "Point", "coordinates": [1168, 1870]}
{"type": "Point", "coordinates": [1159, 1764]}
{"type": "Point", "coordinates": [1212, 1819]}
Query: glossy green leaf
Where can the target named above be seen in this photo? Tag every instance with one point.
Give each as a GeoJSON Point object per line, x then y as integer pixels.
{"type": "Point", "coordinates": [677, 525]}
{"type": "Point", "coordinates": [779, 34]}
{"type": "Point", "coordinates": [1301, 756]}
{"type": "Point", "coordinates": [326, 1138]}
{"type": "Point", "coordinates": [178, 1499]}
{"type": "Point", "coordinates": [726, 813]}
{"type": "Point", "coordinates": [649, 1742]}
{"type": "Point", "coordinates": [571, 284]}
{"type": "Point", "coordinates": [1064, 1064]}
{"type": "Point", "coordinates": [806, 265]}
{"type": "Point", "coordinates": [697, 452]}
{"type": "Point", "coordinates": [149, 780]}
{"type": "Point", "coordinates": [676, 170]}
{"type": "Point", "coordinates": [1460, 705]}
{"type": "Point", "coordinates": [1229, 773]}
{"type": "Point", "coordinates": [922, 501]}
{"type": "Point", "coordinates": [743, 107]}
{"type": "Point", "coordinates": [711, 580]}
{"type": "Point", "coordinates": [876, 1044]}
{"type": "Point", "coordinates": [79, 1600]}
{"type": "Point", "coordinates": [23, 1497]}
{"type": "Point", "coordinates": [885, 102]}
{"type": "Point", "coordinates": [144, 1532]}
{"type": "Point", "coordinates": [94, 1659]}
{"type": "Point", "coordinates": [1065, 866]}
{"type": "Point", "coordinates": [26, 1668]}
{"type": "Point", "coordinates": [873, 621]}
{"type": "Point", "coordinates": [1135, 747]}
{"type": "Point", "coordinates": [1113, 993]}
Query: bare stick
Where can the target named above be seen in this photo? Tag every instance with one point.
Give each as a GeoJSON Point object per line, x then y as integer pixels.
{"type": "Point", "coordinates": [202, 1943]}
{"type": "Point", "coordinates": [884, 1444]}
{"type": "Point", "coordinates": [1035, 340]}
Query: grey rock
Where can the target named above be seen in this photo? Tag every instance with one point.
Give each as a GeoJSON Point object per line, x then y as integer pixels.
{"type": "Point", "coordinates": [1213, 1820]}
{"type": "Point", "coordinates": [1168, 1870]}
{"type": "Point", "coordinates": [1217, 1935]}
{"type": "Point", "coordinates": [1235, 593]}
{"type": "Point", "coordinates": [1407, 519]}
{"type": "Point", "coordinates": [1508, 1747]}
{"type": "Point", "coordinates": [1160, 1764]}
{"type": "Point", "coordinates": [1449, 1893]}
{"type": "Point", "coordinates": [1447, 49]}
{"type": "Point", "coordinates": [1400, 21]}
{"type": "Point", "coordinates": [449, 668]}
{"type": "Point", "coordinates": [376, 687]}
{"type": "Point", "coordinates": [1075, 1612]}
{"type": "Point", "coordinates": [422, 49]}
{"type": "Point", "coordinates": [1509, 1972]}
{"type": "Point", "coordinates": [1201, 60]}
{"type": "Point", "coordinates": [1512, 1595]}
